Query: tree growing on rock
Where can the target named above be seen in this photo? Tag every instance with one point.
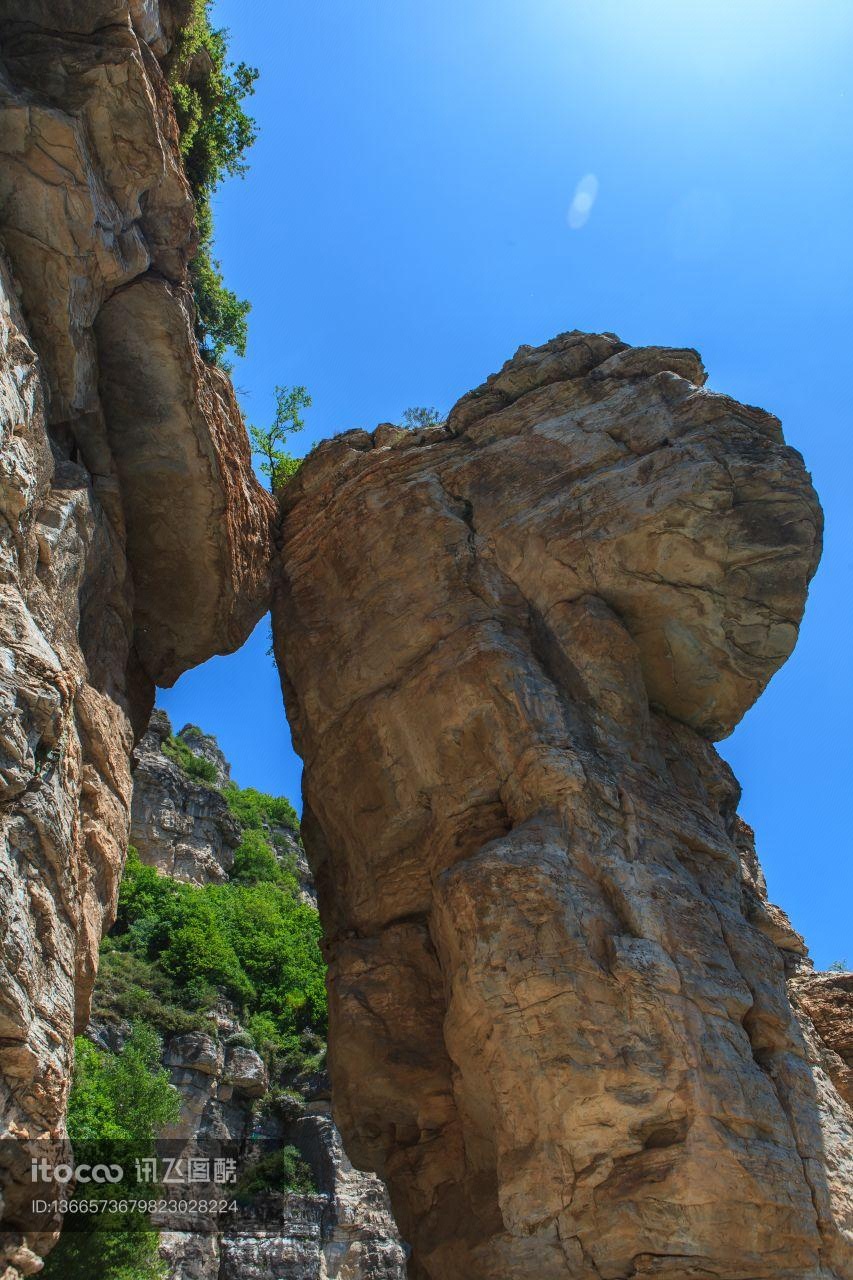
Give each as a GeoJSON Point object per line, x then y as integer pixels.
{"type": "Point", "coordinates": [419, 417]}
{"type": "Point", "coordinates": [278, 463]}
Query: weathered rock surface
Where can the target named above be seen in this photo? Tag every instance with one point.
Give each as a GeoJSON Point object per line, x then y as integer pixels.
{"type": "Point", "coordinates": [560, 1027]}
{"type": "Point", "coordinates": [182, 827]}
{"type": "Point", "coordinates": [826, 1000]}
{"type": "Point", "coordinates": [344, 1230]}
{"type": "Point", "coordinates": [96, 223]}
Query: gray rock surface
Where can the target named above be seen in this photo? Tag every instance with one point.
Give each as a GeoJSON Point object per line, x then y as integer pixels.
{"type": "Point", "coordinates": [182, 827]}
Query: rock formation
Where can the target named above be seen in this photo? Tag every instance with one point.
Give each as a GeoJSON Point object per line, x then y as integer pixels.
{"type": "Point", "coordinates": [560, 1027]}
{"type": "Point", "coordinates": [345, 1229]}
{"type": "Point", "coordinates": [180, 826]}
{"type": "Point", "coordinates": [134, 539]}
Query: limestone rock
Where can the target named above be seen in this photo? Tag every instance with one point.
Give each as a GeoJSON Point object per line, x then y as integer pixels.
{"type": "Point", "coordinates": [245, 1070]}
{"type": "Point", "coordinates": [559, 1021]}
{"type": "Point", "coordinates": [198, 522]}
{"type": "Point", "coordinates": [182, 827]}
{"type": "Point", "coordinates": [65, 742]}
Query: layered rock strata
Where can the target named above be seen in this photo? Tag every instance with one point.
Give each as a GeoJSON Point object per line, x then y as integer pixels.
{"type": "Point", "coordinates": [134, 540]}
{"type": "Point", "coordinates": [559, 1019]}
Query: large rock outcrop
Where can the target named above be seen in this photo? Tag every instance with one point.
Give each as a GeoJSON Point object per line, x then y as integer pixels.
{"type": "Point", "coordinates": [134, 539]}
{"type": "Point", "coordinates": [559, 1019]}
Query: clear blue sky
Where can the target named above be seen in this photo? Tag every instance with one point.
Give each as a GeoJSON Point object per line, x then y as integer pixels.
{"type": "Point", "coordinates": [405, 226]}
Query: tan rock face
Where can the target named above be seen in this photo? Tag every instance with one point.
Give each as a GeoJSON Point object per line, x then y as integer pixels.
{"type": "Point", "coordinates": [560, 1027]}
{"type": "Point", "coordinates": [826, 1001]}
{"type": "Point", "coordinates": [134, 540]}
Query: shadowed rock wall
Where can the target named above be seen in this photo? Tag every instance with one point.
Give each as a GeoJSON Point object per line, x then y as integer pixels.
{"type": "Point", "coordinates": [560, 1027]}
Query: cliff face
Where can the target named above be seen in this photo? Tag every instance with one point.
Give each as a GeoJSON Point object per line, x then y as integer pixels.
{"type": "Point", "coordinates": [180, 826]}
{"type": "Point", "coordinates": [559, 1019]}
{"type": "Point", "coordinates": [134, 539]}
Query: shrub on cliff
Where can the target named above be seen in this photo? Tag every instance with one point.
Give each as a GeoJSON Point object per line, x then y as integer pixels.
{"type": "Point", "coordinates": [419, 417]}
{"type": "Point", "coordinates": [282, 1170]}
{"type": "Point", "coordinates": [257, 811]}
{"type": "Point", "coordinates": [131, 987]}
{"type": "Point", "coordinates": [254, 941]}
{"type": "Point", "coordinates": [216, 132]}
{"type": "Point", "coordinates": [120, 1097]}
{"type": "Point", "coordinates": [195, 766]}
{"type": "Point", "coordinates": [255, 863]}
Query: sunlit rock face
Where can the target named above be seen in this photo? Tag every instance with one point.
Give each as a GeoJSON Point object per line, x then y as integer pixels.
{"type": "Point", "coordinates": [180, 825]}
{"type": "Point", "coordinates": [134, 540]}
{"type": "Point", "coordinates": [560, 1027]}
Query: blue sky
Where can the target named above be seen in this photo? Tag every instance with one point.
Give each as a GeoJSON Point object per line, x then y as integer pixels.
{"type": "Point", "coordinates": [405, 225]}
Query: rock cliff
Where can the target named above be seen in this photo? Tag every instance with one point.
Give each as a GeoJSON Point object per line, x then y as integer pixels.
{"type": "Point", "coordinates": [134, 540]}
{"type": "Point", "coordinates": [559, 1019]}
{"type": "Point", "coordinates": [179, 825]}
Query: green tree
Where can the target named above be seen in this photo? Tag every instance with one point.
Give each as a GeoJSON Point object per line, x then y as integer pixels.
{"type": "Point", "coordinates": [420, 417]}
{"type": "Point", "coordinates": [250, 938]}
{"type": "Point", "coordinates": [208, 92]}
{"type": "Point", "coordinates": [118, 1104]}
{"type": "Point", "coordinates": [278, 464]}
{"type": "Point", "coordinates": [259, 811]}
{"type": "Point", "coordinates": [256, 863]}
{"type": "Point", "coordinates": [221, 318]}
{"type": "Point", "coordinates": [120, 1097]}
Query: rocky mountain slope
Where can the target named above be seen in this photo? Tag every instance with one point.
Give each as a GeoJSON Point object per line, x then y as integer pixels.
{"type": "Point", "coordinates": [343, 1227]}
{"type": "Point", "coordinates": [559, 1019]}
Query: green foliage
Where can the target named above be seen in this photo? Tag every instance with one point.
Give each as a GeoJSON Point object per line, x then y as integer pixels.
{"type": "Point", "coordinates": [126, 1248]}
{"type": "Point", "coordinates": [216, 132]}
{"type": "Point", "coordinates": [209, 92]}
{"type": "Point", "coordinates": [282, 1170]}
{"type": "Point", "coordinates": [118, 1104]}
{"type": "Point", "coordinates": [256, 863]}
{"type": "Point", "coordinates": [258, 811]}
{"type": "Point", "coordinates": [250, 939]}
{"type": "Point", "coordinates": [839, 966]}
{"type": "Point", "coordinates": [195, 766]}
{"type": "Point", "coordinates": [284, 1104]}
{"type": "Point", "coordinates": [221, 318]}
{"type": "Point", "coordinates": [278, 464]}
{"type": "Point", "coordinates": [124, 1097]}
{"type": "Point", "coordinates": [131, 987]}
{"type": "Point", "coordinates": [420, 417]}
